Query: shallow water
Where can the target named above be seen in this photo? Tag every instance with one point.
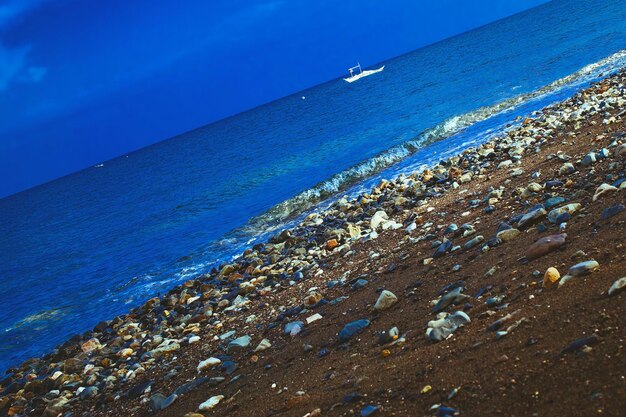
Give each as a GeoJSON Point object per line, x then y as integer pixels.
{"type": "Point", "coordinates": [91, 245]}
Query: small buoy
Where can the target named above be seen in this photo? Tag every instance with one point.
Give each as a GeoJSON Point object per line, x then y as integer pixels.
{"type": "Point", "coordinates": [303, 98]}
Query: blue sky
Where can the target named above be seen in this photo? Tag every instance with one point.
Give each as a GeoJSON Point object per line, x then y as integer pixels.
{"type": "Point", "coordinates": [85, 81]}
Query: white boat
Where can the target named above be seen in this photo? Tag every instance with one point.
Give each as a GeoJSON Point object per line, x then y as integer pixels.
{"type": "Point", "coordinates": [357, 73]}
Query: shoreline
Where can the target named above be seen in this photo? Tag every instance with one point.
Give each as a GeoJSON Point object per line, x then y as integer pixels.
{"type": "Point", "coordinates": [287, 280]}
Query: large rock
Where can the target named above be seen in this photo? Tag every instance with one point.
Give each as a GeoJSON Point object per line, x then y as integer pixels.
{"type": "Point", "coordinates": [545, 245]}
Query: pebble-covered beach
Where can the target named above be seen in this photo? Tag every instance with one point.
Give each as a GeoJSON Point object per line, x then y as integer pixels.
{"type": "Point", "coordinates": [489, 284]}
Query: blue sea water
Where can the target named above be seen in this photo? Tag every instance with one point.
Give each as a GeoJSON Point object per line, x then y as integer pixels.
{"type": "Point", "coordinates": [91, 245]}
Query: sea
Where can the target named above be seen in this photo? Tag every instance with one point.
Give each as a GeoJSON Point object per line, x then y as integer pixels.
{"type": "Point", "coordinates": [92, 245]}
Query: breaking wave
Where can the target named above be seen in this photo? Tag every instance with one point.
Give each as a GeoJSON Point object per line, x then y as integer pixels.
{"type": "Point", "coordinates": [289, 209]}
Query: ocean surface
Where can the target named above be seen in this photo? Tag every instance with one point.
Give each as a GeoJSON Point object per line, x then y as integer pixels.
{"type": "Point", "coordinates": [94, 244]}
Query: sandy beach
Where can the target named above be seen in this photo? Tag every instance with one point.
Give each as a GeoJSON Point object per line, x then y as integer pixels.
{"type": "Point", "coordinates": [487, 285]}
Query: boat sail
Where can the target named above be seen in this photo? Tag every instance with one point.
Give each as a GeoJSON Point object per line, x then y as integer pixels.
{"type": "Point", "coordinates": [356, 73]}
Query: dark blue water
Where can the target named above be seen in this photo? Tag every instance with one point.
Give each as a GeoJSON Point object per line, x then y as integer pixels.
{"type": "Point", "coordinates": [91, 245]}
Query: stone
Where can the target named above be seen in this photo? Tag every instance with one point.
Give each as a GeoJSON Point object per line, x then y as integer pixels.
{"type": "Point", "coordinates": [332, 244]}
{"type": "Point", "coordinates": [444, 328]}
{"type": "Point", "coordinates": [453, 297]}
{"type": "Point", "coordinates": [378, 218]}
{"type": "Point", "coordinates": [566, 168]}
{"type": "Point", "coordinates": [588, 159]}
{"type": "Point", "coordinates": [553, 202]}
{"type": "Point", "coordinates": [125, 353]}
{"type": "Point", "coordinates": [473, 242]}
{"type": "Point", "coordinates": [88, 392]}
{"type": "Point", "coordinates": [551, 277]}
{"type": "Point", "coordinates": [531, 217]}
{"type": "Point", "coordinates": [545, 245]}
{"type": "Point", "coordinates": [443, 249]}
{"type": "Point", "coordinates": [293, 328]}
{"type": "Point", "coordinates": [160, 402]}
{"type": "Point", "coordinates": [618, 286]}
{"type": "Point", "coordinates": [611, 211]}
{"type": "Point", "coordinates": [580, 343]}
{"type": "Point", "coordinates": [210, 403]}
{"type": "Point", "coordinates": [208, 363]}
{"type": "Point", "coordinates": [569, 208]}
{"type": "Point", "coordinates": [603, 189]}
{"type": "Point", "coordinates": [312, 299]}
{"type": "Point", "coordinates": [239, 343]}
{"type": "Point", "coordinates": [315, 317]}
{"type": "Point", "coordinates": [583, 268]}
{"type": "Point", "coordinates": [369, 410]}
{"type": "Point", "coordinates": [91, 345]}
{"type": "Point", "coordinates": [351, 329]}
{"type": "Point", "coordinates": [507, 234]}
{"type": "Point", "coordinates": [263, 345]}
{"type": "Point", "coordinates": [386, 300]}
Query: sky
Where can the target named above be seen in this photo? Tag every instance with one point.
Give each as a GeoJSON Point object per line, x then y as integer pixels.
{"type": "Point", "coordinates": [82, 82]}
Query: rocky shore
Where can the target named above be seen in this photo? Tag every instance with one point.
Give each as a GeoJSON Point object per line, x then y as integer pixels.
{"type": "Point", "coordinates": [489, 284]}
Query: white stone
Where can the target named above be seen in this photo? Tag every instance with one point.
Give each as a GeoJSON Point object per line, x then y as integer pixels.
{"type": "Point", "coordinates": [385, 300]}
{"type": "Point", "coordinates": [208, 363]}
{"type": "Point", "coordinates": [211, 403]}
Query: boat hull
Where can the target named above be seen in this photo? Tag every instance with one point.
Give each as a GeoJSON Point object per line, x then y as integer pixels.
{"type": "Point", "coordinates": [363, 74]}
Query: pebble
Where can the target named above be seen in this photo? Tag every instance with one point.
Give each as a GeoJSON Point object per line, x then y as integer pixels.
{"type": "Point", "coordinates": [618, 286]}
{"type": "Point", "coordinates": [589, 159]}
{"type": "Point", "coordinates": [444, 328]}
{"type": "Point", "coordinates": [453, 297]}
{"type": "Point", "coordinates": [293, 328]}
{"type": "Point", "coordinates": [583, 268]}
{"type": "Point", "coordinates": [443, 249]}
{"type": "Point", "coordinates": [211, 403]}
{"type": "Point", "coordinates": [386, 300]}
{"type": "Point", "coordinates": [473, 242]}
{"type": "Point", "coordinates": [369, 410]}
{"type": "Point", "coordinates": [159, 401]}
{"type": "Point", "coordinates": [531, 217]}
{"type": "Point", "coordinates": [351, 329]}
{"type": "Point", "coordinates": [611, 211]}
{"type": "Point", "coordinates": [239, 343]}
{"type": "Point", "coordinates": [580, 343]}
{"type": "Point", "coordinates": [208, 363]}
{"type": "Point", "coordinates": [603, 189]}
{"type": "Point", "coordinates": [508, 234]}
{"type": "Point", "coordinates": [551, 277]}
{"type": "Point", "coordinates": [569, 209]}
{"type": "Point", "coordinates": [566, 168]}
{"type": "Point", "coordinates": [263, 345]}
{"type": "Point", "coordinates": [545, 245]}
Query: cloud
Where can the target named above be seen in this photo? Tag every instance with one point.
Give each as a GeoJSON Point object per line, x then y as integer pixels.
{"type": "Point", "coordinates": [13, 9]}
{"type": "Point", "coordinates": [12, 62]}
{"type": "Point", "coordinates": [33, 74]}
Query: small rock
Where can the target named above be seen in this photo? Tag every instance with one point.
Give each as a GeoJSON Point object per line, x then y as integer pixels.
{"type": "Point", "coordinates": [208, 363]}
{"type": "Point", "coordinates": [385, 301]}
{"type": "Point", "coordinates": [551, 277]}
{"type": "Point", "coordinates": [211, 403]}
{"type": "Point", "coordinates": [159, 401]}
{"type": "Point", "coordinates": [589, 159]}
{"type": "Point", "coordinates": [263, 345]}
{"type": "Point", "coordinates": [444, 328]}
{"type": "Point", "coordinates": [569, 209]}
{"type": "Point", "coordinates": [603, 189]}
{"type": "Point", "coordinates": [617, 286]}
{"type": "Point", "coordinates": [545, 245]}
{"type": "Point", "coordinates": [239, 343]}
{"type": "Point", "coordinates": [609, 212]}
{"type": "Point", "coordinates": [507, 234]}
{"type": "Point", "coordinates": [351, 329]}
